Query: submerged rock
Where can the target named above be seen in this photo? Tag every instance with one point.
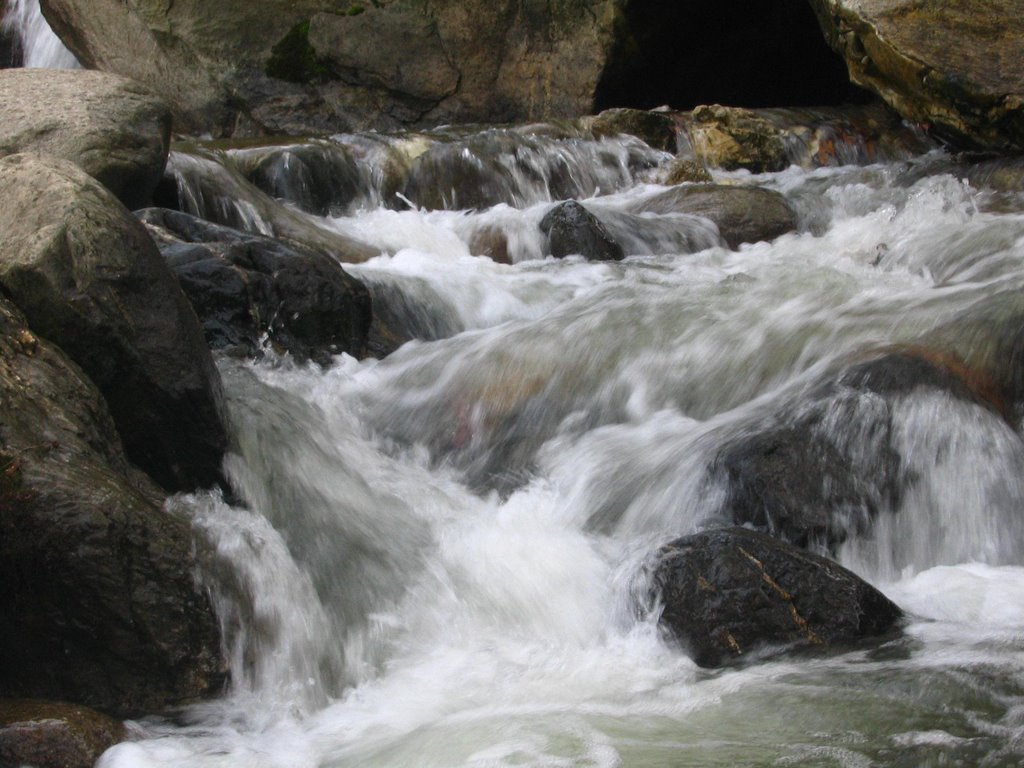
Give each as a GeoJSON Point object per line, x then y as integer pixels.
{"type": "Point", "coordinates": [573, 230]}
{"type": "Point", "coordinates": [321, 178]}
{"type": "Point", "coordinates": [247, 289]}
{"type": "Point", "coordinates": [97, 585]}
{"type": "Point", "coordinates": [89, 278]}
{"type": "Point", "coordinates": [112, 128]}
{"type": "Point", "coordinates": [958, 67]}
{"type": "Point", "coordinates": [735, 594]}
{"type": "Point", "coordinates": [822, 469]}
{"type": "Point", "coordinates": [48, 734]}
{"type": "Point", "coordinates": [742, 214]}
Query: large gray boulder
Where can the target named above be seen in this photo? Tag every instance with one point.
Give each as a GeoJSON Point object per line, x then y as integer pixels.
{"type": "Point", "coordinates": [955, 66]}
{"type": "Point", "coordinates": [112, 128]}
{"type": "Point", "coordinates": [89, 278]}
{"type": "Point", "coordinates": [317, 65]}
{"type": "Point", "coordinates": [734, 594]}
{"type": "Point", "coordinates": [97, 585]}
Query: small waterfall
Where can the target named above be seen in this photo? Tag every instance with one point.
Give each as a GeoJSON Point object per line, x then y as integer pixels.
{"type": "Point", "coordinates": [40, 47]}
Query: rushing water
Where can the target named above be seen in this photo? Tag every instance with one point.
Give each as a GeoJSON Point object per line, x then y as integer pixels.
{"type": "Point", "coordinates": [441, 553]}
{"type": "Point", "coordinates": [40, 47]}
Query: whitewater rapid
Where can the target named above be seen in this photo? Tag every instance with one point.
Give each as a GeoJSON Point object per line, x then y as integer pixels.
{"type": "Point", "coordinates": [442, 559]}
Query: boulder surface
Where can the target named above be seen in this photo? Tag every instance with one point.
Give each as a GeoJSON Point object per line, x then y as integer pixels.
{"type": "Point", "coordinates": [48, 734]}
{"type": "Point", "coordinates": [955, 66]}
{"type": "Point", "coordinates": [730, 593]}
{"type": "Point", "coordinates": [249, 290]}
{"type": "Point", "coordinates": [112, 128]}
{"type": "Point", "coordinates": [97, 585]}
{"type": "Point", "coordinates": [89, 278]}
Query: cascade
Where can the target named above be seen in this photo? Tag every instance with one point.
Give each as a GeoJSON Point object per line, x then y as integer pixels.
{"type": "Point", "coordinates": [40, 47]}
{"type": "Point", "coordinates": [441, 557]}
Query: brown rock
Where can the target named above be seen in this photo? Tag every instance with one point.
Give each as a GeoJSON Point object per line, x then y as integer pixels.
{"type": "Point", "coordinates": [957, 67]}
{"type": "Point", "coordinates": [48, 734]}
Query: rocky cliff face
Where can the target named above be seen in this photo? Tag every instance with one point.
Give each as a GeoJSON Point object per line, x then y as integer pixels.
{"type": "Point", "coordinates": [315, 65]}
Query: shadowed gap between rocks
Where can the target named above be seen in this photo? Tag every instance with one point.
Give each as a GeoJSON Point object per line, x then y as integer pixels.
{"type": "Point", "coordinates": [744, 53]}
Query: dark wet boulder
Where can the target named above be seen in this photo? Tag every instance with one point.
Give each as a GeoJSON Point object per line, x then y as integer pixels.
{"type": "Point", "coordinates": [734, 594]}
{"type": "Point", "coordinates": [742, 214]}
{"type": "Point", "coordinates": [47, 734]}
{"type": "Point", "coordinates": [89, 278]}
{"type": "Point", "coordinates": [97, 577]}
{"type": "Point", "coordinates": [573, 230]}
{"type": "Point", "coordinates": [825, 466]}
{"type": "Point", "coordinates": [248, 290]}
{"type": "Point", "coordinates": [957, 67]}
{"type": "Point", "coordinates": [321, 178]}
{"type": "Point", "coordinates": [112, 128]}
{"type": "Point", "coordinates": [657, 129]}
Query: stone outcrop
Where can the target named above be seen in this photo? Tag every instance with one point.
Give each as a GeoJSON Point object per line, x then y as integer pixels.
{"type": "Point", "coordinates": [250, 290]}
{"type": "Point", "coordinates": [54, 735]}
{"type": "Point", "coordinates": [89, 278]}
{"type": "Point", "coordinates": [957, 67]}
{"type": "Point", "coordinates": [733, 594]}
{"type": "Point", "coordinates": [97, 584]}
{"type": "Point", "coordinates": [320, 65]}
{"type": "Point", "coordinates": [113, 129]}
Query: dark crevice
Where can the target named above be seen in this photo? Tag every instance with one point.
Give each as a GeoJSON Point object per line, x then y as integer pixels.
{"type": "Point", "coordinates": [744, 53]}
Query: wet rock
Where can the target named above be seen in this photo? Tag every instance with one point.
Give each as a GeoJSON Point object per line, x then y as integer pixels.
{"type": "Point", "coordinates": [573, 230]}
{"type": "Point", "coordinates": [112, 128]}
{"type": "Point", "coordinates": [742, 214]}
{"type": "Point", "coordinates": [89, 278]}
{"type": "Point", "coordinates": [823, 468]}
{"type": "Point", "coordinates": [734, 594]}
{"type": "Point", "coordinates": [958, 67]}
{"type": "Point", "coordinates": [215, 190]}
{"type": "Point", "coordinates": [657, 129]}
{"type": "Point", "coordinates": [248, 290]}
{"type": "Point", "coordinates": [319, 178]}
{"type": "Point", "coordinates": [685, 171]}
{"type": "Point", "coordinates": [97, 585]}
{"type": "Point", "coordinates": [733, 138]}
{"type": "Point", "coordinates": [49, 734]}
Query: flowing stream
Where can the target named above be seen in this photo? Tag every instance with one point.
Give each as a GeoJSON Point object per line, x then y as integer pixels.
{"type": "Point", "coordinates": [440, 561]}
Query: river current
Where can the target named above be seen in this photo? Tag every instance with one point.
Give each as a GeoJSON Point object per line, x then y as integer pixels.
{"type": "Point", "coordinates": [439, 558]}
